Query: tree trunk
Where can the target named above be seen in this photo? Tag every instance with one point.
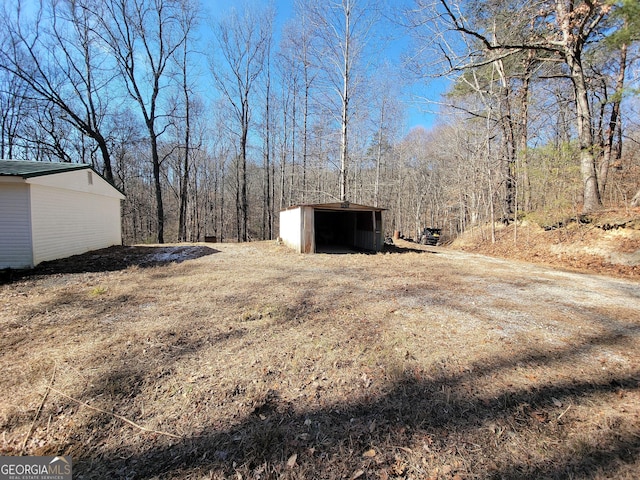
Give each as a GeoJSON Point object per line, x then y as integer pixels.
{"type": "Point", "coordinates": [244, 202]}
{"type": "Point", "coordinates": [509, 143]}
{"type": "Point", "coordinates": [155, 159]}
{"type": "Point", "coordinates": [509, 147]}
{"type": "Point", "coordinates": [268, 199]}
{"type": "Point", "coordinates": [184, 180]}
{"type": "Point", "coordinates": [222, 198]}
{"type": "Point", "coordinates": [376, 188]}
{"type": "Point", "coordinates": [238, 201]}
{"type": "Point", "coordinates": [524, 132]}
{"type": "Point", "coordinates": [283, 169]}
{"type": "Point", "coordinates": [305, 122]}
{"type": "Point", "coordinates": [106, 158]}
{"type": "Point", "coordinates": [572, 49]}
{"type": "Point", "coordinates": [294, 124]}
{"type": "Point", "coordinates": [591, 194]}
{"type": "Point", "coordinates": [613, 122]}
{"type": "Point", "coordinates": [283, 152]}
{"type": "Point", "coordinates": [344, 130]}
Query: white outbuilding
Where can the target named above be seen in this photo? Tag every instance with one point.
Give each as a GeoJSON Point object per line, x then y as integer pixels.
{"type": "Point", "coordinates": [54, 210]}
{"type": "Point", "coordinates": [332, 227]}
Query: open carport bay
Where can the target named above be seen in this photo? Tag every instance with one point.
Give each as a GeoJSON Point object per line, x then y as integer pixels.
{"type": "Point", "coordinates": [344, 231]}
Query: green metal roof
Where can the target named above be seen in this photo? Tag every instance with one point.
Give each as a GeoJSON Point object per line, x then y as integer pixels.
{"type": "Point", "coordinates": [25, 169]}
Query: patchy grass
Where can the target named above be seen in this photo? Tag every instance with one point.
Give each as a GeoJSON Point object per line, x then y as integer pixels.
{"type": "Point", "coordinates": [250, 361]}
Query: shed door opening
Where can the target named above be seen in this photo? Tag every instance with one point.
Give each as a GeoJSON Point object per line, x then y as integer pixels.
{"type": "Point", "coordinates": [343, 232]}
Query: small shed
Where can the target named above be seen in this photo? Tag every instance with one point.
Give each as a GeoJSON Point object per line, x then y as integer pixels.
{"type": "Point", "coordinates": [54, 210]}
{"type": "Point", "coordinates": [332, 227]}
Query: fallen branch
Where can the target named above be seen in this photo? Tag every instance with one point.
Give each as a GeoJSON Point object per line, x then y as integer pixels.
{"type": "Point", "coordinates": [44, 398]}
{"type": "Point", "coordinates": [561, 415]}
{"type": "Point", "coordinates": [119, 417]}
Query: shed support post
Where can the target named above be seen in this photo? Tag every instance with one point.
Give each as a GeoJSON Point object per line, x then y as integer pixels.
{"type": "Point", "coordinates": [375, 237]}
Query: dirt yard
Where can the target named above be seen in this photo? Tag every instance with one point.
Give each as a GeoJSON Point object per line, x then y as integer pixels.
{"type": "Point", "coordinates": [252, 362]}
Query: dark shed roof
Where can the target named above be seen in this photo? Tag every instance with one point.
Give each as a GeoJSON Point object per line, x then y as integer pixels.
{"type": "Point", "coordinates": [26, 169]}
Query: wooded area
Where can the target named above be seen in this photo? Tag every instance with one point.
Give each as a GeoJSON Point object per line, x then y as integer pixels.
{"type": "Point", "coordinates": [210, 127]}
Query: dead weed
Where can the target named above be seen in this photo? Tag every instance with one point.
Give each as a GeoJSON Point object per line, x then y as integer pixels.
{"type": "Point", "coordinates": [257, 362]}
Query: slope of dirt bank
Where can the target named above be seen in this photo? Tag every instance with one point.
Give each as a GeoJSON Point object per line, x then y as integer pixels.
{"type": "Point", "coordinates": [607, 243]}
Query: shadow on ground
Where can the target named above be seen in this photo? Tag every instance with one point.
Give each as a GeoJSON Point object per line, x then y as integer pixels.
{"type": "Point", "coordinates": [111, 259]}
{"type": "Point", "coordinates": [336, 438]}
{"type": "Point", "coordinates": [442, 415]}
{"type": "Point", "coordinates": [393, 248]}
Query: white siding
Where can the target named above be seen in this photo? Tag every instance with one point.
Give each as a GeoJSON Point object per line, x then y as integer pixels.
{"type": "Point", "coordinates": [84, 180]}
{"type": "Point", "coordinates": [291, 228]}
{"type": "Point", "coordinates": [69, 222]}
{"type": "Point", "coordinates": [15, 232]}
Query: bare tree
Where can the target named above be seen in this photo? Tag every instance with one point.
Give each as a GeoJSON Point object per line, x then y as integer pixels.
{"type": "Point", "coordinates": [609, 77]}
{"type": "Point", "coordinates": [627, 20]}
{"type": "Point", "coordinates": [343, 29]}
{"type": "Point", "coordinates": [268, 191]}
{"type": "Point", "coordinates": [242, 41]}
{"type": "Point", "coordinates": [561, 28]}
{"type": "Point", "coordinates": [143, 36]}
{"type": "Point", "coordinates": [296, 47]}
{"type": "Point", "coordinates": [14, 106]}
{"type": "Point", "coordinates": [288, 81]}
{"type": "Point", "coordinates": [57, 55]}
{"type": "Point", "coordinates": [386, 115]}
{"type": "Point", "coordinates": [188, 24]}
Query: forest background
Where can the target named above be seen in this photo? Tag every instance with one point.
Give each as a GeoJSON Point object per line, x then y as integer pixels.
{"type": "Point", "coordinates": [212, 118]}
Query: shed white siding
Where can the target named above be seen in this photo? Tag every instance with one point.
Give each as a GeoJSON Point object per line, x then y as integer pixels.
{"type": "Point", "coordinates": [55, 214]}
{"type": "Point", "coordinates": [15, 226]}
{"type": "Point", "coordinates": [70, 222]}
{"type": "Point", "coordinates": [291, 228]}
{"type": "Point", "coordinates": [348, 226]}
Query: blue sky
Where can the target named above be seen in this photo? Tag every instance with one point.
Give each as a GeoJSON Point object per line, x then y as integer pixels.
{"type": "Point", "coordinates": [419, 112]}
